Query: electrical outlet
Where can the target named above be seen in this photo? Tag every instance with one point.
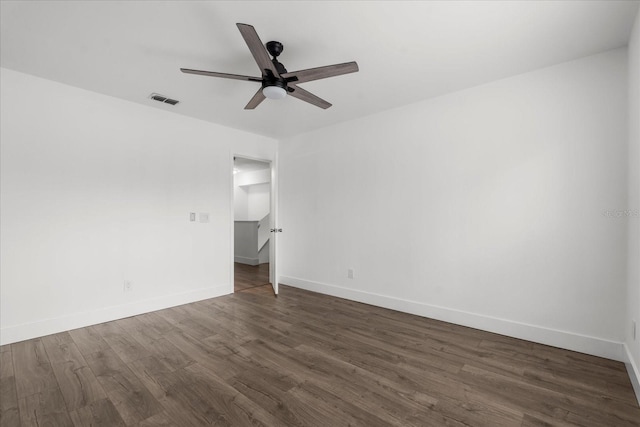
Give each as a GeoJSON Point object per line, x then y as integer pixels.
{"type": "Point", "coordinates": [350, 273]}
{"type": "Point", "coordinates": [128, 286]}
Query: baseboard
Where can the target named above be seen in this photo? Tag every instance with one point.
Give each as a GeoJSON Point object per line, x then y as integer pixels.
{"type": "Point", "coordinates": [553, 337]}
{"type": "Point", "coordinates": [245, 260]}
{"type": "Point", "coordinates": [25, 331]}
{"type": "Point", "coordinates": [634, 372]}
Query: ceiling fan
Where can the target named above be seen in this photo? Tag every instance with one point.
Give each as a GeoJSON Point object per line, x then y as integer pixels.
{"type": "Point", "coordinates": [276, 81]}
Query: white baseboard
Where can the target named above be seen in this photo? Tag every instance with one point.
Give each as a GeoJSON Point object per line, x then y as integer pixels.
{"type": "Point", "coordinates": [634, 372]}
{"type": "Point", "coordinates": [553, 337]}
{"type": "Point", "coordinates": [245, 260]}
{"type": "Point", "coordinates": [25, 331]}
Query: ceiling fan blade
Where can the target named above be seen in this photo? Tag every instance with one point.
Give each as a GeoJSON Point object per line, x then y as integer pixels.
{"type": "Point", "coordinates": [306, 96]}
{"type": "Point", "coordinates": [223, 75]}
{"type": "Point", "coordinates": [320, 72]}
{"type": "Point", "coordinates": [256, 100]}
{"type": "Point", "coordinates": [257, 49]}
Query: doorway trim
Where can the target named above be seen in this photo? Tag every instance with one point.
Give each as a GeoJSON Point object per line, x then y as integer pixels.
{"type": "Point", "coordinates": [273, 207]}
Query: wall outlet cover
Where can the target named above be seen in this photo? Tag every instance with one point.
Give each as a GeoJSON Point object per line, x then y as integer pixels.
{"type": "Point", "coordinates": [204, 216]}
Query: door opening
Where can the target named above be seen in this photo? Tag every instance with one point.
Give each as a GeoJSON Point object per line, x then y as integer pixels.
{"type": "Point", "coordinates": [253, 242]}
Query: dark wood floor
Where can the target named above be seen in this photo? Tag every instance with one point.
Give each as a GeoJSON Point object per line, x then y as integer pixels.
{"type": "Point", "coordinates": [303, 359]}
{"type": "Point", "coordinates": [251, 278]}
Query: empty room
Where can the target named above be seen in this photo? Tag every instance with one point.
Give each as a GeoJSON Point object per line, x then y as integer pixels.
{"type": "Point", "coordinates": [320, 213]}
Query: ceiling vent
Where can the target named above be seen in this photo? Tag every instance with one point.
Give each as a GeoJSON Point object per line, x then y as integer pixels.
{"type": "Point", "coordinates": [164, 99]}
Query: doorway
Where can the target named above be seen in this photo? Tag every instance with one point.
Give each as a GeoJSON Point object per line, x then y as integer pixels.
{"type": "Point", "coordinates": [253, 242]}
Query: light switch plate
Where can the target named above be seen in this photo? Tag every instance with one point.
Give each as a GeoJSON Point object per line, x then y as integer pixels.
{"type": "Point", "coordinates": [204, 216]}
{"type": "Point", "coordinates": [192, 216]}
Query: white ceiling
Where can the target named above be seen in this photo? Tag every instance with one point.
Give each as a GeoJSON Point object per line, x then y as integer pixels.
{"type": "Point", "coordinates": [407, 51]}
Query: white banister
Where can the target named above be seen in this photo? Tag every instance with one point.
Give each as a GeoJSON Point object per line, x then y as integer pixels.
{"type": "Point", "coordinates": [263, 231]}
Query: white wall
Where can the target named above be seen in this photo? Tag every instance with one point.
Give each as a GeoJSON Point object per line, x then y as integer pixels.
{"type": "Point", "coordinates": [633, 257]}
{"type": "Point", "coordinates": [240, 203]}
{"type": "Point", "coordinates": [484, 207]}
{"type": "Point", "coordinates": [96, 191]}
{"type": "Point", "coordinates": [259, 200]}
{"type": "Point", "coordinates": [252, 194]}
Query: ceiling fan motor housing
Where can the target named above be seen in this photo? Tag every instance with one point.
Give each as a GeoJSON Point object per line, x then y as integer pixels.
{"type": "Point", "coordinates": [275, 48]}
{"type": "Point", "coordinates": [269, 79]}
{"type": "Point", "coordinates": [274, 82]}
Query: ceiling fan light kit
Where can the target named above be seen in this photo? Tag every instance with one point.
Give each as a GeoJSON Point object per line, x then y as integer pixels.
{"type": "Point", "coordinates": [274, 92]}
{"type": "Point", "coordinates": [276, 81]}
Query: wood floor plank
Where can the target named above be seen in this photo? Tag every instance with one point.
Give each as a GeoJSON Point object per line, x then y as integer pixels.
{"type": "Point", "coordinates": [479, 410]}
{"type": "Point", "coordinates": [78, 384]}
{"type": "Point", "coordinates": [234, 329]}
{"type": "Point", "coordinates": [333, 411]}
{"type": "Point", "coordinates": [138, 330]}
{"type": "Point", "coordinates": [250, 277]}
{"type": "Point", "coordinates": [440, 382]}
{"type": "Point", "coordinates": [61, 348]}
{"type": "Point", "coordinates": [616, 399]}
{"type": "Point", "coordinates": [45, 408]}
{"type": "Point", "coordinates": [166, 358]}
{"type": "Point", "coordinates": [200, 351]}
{"type": "Point", "coordinates": [541, 401]}
{"type": "Point", "coordinates": [132, 400]}
{"type": "Point", "coordinates": [196, 397]}
{"type": "Point", "coordinates": [243, 410]}
{"type": "Point", "coordinates": [562, 363]}
{"type": "Point", "coordinates": [270, 397]}
{"type": "Point", "coordinates": [261, 290]}
{"type": "Point", "coordinates": [76, 380]}
{"type": "Point", "coordinates": [155, 322]}
{"type": "Point", "coordinates": [388, 400]}
{"type": "Point", "coordinates": [190, 321]}
{"type": "Point", "coordinates": [151, 372]}
{"type": "Point", "coordinates": [159, 420]}
{"type": "Point", "coordinates": [9, 408]}
{"type": "Point", "coordinates": [33, 372]}
{"type": "Point", "coordinates": [119, 340]}
{"type": "Point", "coordinates": [99, 413]}
{"type": "Point", "coordinates": [6, 362]}
{"type": "Point", "coordinates": [168, 354]}
{"type": "Point", "coordinates": [88, 340]}
{"type": "Point", "coordinates": [253, 367]}
{"type": "Point", "coordinates": [303, 359]}
{"type": "Point", "coordinates": [371, 395]}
